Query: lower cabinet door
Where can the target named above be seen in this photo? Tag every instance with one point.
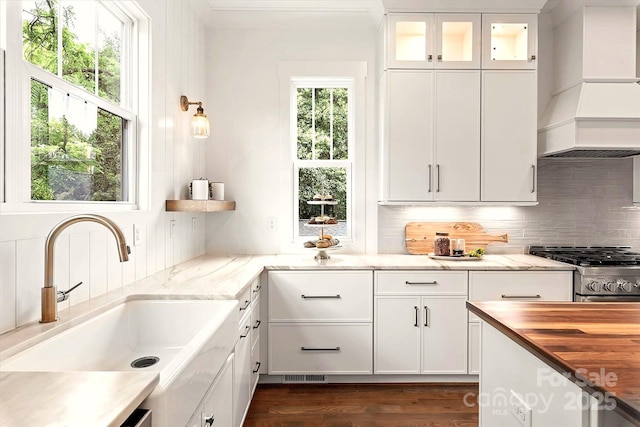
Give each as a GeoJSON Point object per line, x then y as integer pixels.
{"type": "Point", "coordinates": [474, 348]}
{"type": "Point", "coordinates": [320, 348]}
{"type": "Point", "coordinates": [217, 405]}
{"type": "Point", "coordinates": [444, 335]}
{"type": "Point", "coordinates": [397, 335]}
{"type": "Point", "coordinates": [242, 373]}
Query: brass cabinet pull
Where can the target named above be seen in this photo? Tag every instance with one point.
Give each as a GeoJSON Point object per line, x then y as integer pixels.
{"type": "Point", "coordinates": [320, 349]}
{"type": "Point", "coordinates": [521, 296]}
{"type": "Point", "coordinates": [337, 296]}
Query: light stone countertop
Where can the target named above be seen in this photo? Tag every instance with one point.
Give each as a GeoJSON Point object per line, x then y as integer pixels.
{"type": "Point", "coordinates": [205, 277]}
{"type": "Point", "coordinates": [100, 399]}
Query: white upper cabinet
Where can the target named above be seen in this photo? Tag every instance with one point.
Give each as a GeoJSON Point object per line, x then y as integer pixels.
{"type": "Point", "coordinates": [457, 41]}
{"type": "Point", "coordinates": [427, 41]}
{"type": "Point", "coordinates": [410, 40]}
{"type": "Point", "coordinates": [509, 42]}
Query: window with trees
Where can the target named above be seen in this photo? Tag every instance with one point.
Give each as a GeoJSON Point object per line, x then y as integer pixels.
{"type": "Point", "coordinates": [324, 155]}
{"type": "Point", "coordinates": [82, 122]}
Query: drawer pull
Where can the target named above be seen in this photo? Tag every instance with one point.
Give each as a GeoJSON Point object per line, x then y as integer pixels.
{"type": "Point", "coordinates": [257, 324]}
{"type": "Point", "coordinates": [246, 305]}
{"type": "Point", "coordinates": [521, 296]}
{"type": "Point", "coordinates": [319, 349]}
{"type": "Point", "coordinates": [426, 316]}
{"type": "Point", "coordinates": [257, 289]}
{"type": "Point", "coordinates": [415, 307]}
{"type": "Point", "coordinates": [246, 329]}
{"type": "Point", "coordinates": [421, 283]}
{"type": "Point", "coordinates": [321, 296]}
{"type": "Point", "coordinates": [255, 371]}
{"type": "Point", "coordinates": [208, 421]}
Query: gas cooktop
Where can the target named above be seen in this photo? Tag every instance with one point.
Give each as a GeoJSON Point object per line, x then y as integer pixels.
{"type": "Point", "coordinates": [589, 256]}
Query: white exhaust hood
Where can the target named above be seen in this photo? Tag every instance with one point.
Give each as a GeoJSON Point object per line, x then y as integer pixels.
{"type": "Point", "coordinates": [596, 110]}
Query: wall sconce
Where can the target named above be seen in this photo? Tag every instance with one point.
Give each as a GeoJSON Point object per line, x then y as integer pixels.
{"type": "Point", "coordinates": [199, 122]}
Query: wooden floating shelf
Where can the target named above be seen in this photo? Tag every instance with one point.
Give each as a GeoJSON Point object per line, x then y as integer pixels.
{"type": "Point", "coordinates": [200, 205]}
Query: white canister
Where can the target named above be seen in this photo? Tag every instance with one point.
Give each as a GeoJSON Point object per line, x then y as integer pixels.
{"type": "Point", "coordinates": [200, 189]}
{"type": "Point", "coordinates": [217, 190]}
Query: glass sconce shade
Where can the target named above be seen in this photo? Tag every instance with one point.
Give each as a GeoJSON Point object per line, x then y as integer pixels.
{"type": "Point", "coordinates": [200, 125]}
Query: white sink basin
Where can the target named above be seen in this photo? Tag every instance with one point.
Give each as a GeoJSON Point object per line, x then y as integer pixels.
{"type": "Point", "coordinates": [191, 339]}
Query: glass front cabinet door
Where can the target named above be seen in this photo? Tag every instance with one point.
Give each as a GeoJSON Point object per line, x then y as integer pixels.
{"type": "Point", "coordinates": [428, 41]}
{"type": "Point", "coordinates": [509, 42]}
{"type": "Point", "coordinates": [410, 40]}
{"type": "Point", "coordinates": [457, 41]}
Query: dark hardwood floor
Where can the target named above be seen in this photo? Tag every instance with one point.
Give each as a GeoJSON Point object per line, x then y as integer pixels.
{"type": "Point", "coordinates": [363, 405]}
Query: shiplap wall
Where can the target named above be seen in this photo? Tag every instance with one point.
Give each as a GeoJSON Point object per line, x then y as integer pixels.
{"type": "Point", "coordinates": [87, 252]}
{"type": "Point", "coordinates": [581, 202]}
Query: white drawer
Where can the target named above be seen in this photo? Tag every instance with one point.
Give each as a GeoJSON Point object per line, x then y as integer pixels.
{"type": "Point", "coordinates": [421, 282]}
{"type": "Point", "coordinates": [327, 296]}
{"type": "Point", "coordinates": [320, 348]}
{"type": "Point", "coordinates": [519, 286]}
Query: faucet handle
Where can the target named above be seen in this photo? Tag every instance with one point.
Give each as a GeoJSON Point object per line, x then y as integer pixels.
{"type": "Point", "coordinates": [64, 295]}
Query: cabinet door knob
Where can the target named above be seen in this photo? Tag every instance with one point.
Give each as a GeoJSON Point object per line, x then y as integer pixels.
{"type": "Point", "coordinates": [430, 57]}
{"type": "Point", "coordinates": [440, 58]}
{"type": "Point", "coordinates": [533, 57]}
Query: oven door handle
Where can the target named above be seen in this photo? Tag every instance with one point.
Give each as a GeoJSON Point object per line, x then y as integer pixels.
{"type": "Point", "coordinates": [607, 298]}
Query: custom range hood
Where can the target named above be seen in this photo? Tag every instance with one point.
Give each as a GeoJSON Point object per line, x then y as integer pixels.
{"type": "Point", "coordinates": [595, 108]}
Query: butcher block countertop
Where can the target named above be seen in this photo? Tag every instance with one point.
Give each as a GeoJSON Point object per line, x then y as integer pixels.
{"type": "Point", "coordinates": [582, 339]}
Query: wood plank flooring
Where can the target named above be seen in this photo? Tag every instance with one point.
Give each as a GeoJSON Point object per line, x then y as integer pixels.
{"type": "Point", "coordinates": [363, 405]}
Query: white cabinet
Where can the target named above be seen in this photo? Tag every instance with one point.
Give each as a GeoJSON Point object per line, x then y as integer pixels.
{"type": "Point", "coordinates": [432, 135]}
{"type": "Point", "coordinates": [636, 172]}
{"type": "Point", "coordinates": [509, 41]}
{"type": "Point", "coordinates": [512, 286]}
{"type": "Point", "coordinates": [320, 322]}
{"type": "Point", "coordinates": [216, 407]}
{"type": "Point", "coordinates": [420, 323]}
{"type": "Point", "coordinates": [512, 377]}
{"type": "Point", "coordinates": [509, 156]}
{"type": "Point", "coordinates": [427, 41]}
{"type": "Point", "coordinates": [245, 374]}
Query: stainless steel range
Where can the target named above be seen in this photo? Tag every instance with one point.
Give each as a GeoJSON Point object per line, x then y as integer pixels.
{"type": "Point", "coordinates": [603, 273]}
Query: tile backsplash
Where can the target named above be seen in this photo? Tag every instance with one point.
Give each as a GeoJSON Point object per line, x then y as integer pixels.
{"type": "Point", "coordinates": [581, 202]}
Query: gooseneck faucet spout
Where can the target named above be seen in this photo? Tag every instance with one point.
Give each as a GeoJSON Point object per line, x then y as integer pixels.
{"type": "Point", "coordinates": [49, 292]}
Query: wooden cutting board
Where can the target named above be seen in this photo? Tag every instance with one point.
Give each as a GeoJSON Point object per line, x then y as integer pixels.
{"type": "Point", "coordinates": [419, 236]}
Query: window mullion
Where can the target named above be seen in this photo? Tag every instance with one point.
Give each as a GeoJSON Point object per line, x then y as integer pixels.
{"type": "Point", "coordinates": [60, 28]}
{"type": "Point", "coordinates": [331, 123]}
{"type": "Point", "coordinates": [96, 68]}
{"type": "Point", "coordinates": [313, 123]}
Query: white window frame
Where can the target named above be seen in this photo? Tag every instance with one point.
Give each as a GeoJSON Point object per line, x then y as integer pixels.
{"type": "Point", "coordinates": [135, 108]}
{"type": "Point", "coordinates": [300, 71]}
{"type": "Point", "coordinates": [326, 82]}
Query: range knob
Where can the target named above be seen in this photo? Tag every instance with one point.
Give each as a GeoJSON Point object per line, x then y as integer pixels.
{"type": "Point", "coordinates": [593, 286]}
{"type": "Point", "coordinates": [624, 286]}
{"type": "Point", "coordinates": [609, 287]}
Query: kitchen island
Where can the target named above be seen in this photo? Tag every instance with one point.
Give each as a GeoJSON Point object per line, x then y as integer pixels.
{"type": "Point", "coordinates": [596, 346]}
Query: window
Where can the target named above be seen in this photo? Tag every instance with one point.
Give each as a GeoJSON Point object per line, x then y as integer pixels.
{"type": "Point", "coordinates": [78, 55]}
{"type": "Point", "coordinates": [323, 141]}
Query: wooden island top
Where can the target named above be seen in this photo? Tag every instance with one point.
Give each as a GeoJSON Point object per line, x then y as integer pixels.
{"type": "Point", "coordinates": [597, 344]}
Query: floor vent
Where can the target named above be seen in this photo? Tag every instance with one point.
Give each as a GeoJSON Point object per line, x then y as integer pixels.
{"type": "Point", "coordinates": [304, 379]}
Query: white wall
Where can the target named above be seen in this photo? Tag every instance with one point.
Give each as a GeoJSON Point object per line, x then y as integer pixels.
{"type": "Point", "coordinates": [246, 147]}
{"type": "Point", "coordinates": [86, 252]}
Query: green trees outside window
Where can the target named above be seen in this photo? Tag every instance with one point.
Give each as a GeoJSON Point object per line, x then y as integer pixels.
{"type": "Point", "coordinates": [322, 149]}
{"type": "Point", "coordinates": [77, 148]}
